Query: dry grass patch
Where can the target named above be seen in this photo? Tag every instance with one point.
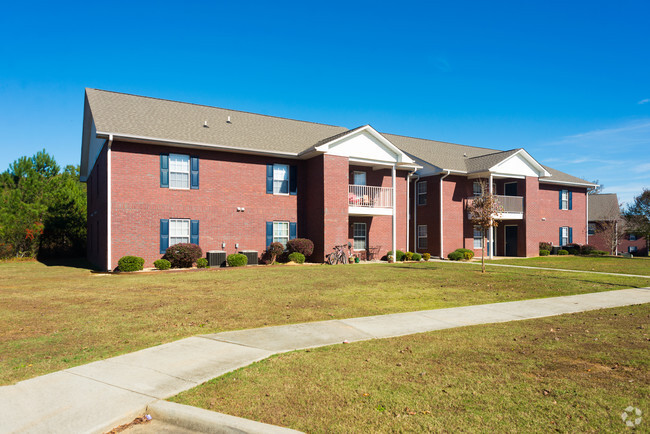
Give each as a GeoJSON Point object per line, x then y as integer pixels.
{"type": "Point", "coordinates": [570, 373]}
{"type": "Point", "coordinates": [56, 317]}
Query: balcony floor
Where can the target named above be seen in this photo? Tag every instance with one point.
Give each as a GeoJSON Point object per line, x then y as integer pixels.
{"type": "Point", "coordinates": [369, 211]}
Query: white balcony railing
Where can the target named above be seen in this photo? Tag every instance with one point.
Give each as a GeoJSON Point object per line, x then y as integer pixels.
{"type": "Point", "coordinates": [367, 196]}
{"type": "Point", "coordinates": [508, 204]}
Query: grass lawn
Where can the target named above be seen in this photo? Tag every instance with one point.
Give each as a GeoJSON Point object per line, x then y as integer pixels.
{"type": "Point", "coordinates": [608, 264]}
{"type": "Point", "coordinates": [570, 373]}
{"type": "Point", "coordinates": [56, 317]}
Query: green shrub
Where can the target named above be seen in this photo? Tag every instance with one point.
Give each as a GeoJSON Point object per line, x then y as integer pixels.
{"type": "Point", "coordinates": [202, 263]}
{"type": "Point", "coordinates": [301, 245]}
{"type": "Point", "coordinates": [562, 252]}
{"type": "Point", "coordinates": [573, 248]}
{"type": "Point", "coordinates": [467, 253]}
{"type": "Point", "coordinates": [426, 256]}
{"type": "Point", "coordinates": [162, 264]}
{"type": "Point", "coordinates": [237, 260]}
{"type": "Point", "coordinates": [599, 253]}
{"type": "Point", "coordinates": [409, 256]}
{"type": "Point", "coordinates": [544, 252]}
{"type": "Point", "coordinates": [130, 263]}
{"type": "Point", "coordinates": [417, 257]}
{"type": "Point", "coordinates": [545, 246]}
{"type": "Point", "coordinates": [456, 255]}
{"type": "Point", "coordinates": [297, 257]}
{"type": "Point", "coordinates": [400, 255]}
{"type": "Point", "coordinates": [183, 255]}
{"type": "Point", "coordinates": [587, 249]}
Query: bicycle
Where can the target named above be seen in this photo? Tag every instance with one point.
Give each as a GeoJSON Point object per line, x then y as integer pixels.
{"type": "Point", "coordinates": [338, 256]}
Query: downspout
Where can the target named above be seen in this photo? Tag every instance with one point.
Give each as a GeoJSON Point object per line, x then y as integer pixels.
{"type": "Point", "coordinates": [441, 220]}
{"type": "Point", "coordinates": [108, 203]}
{"type": "Point", "coordinates": [415, 213]}
{"type": "Point", "coordinates": [394, 219]}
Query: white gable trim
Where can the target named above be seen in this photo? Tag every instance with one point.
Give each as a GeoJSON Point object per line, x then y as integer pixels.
{"type": "Point", "coordinates": [541, 171]}
{"type": "Point", "coordinates": [391, 152]}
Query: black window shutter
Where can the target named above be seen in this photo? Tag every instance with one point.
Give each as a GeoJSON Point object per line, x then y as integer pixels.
{"type": "Point", "coordinates": [570, 235]}
{"type": "Point", "coordinates": [292, 230]}
{"type": "Point", "coordinates": [293, 180]}
{"type": "Point", "coordinates": [269, 178]}
{"type": "Point", "coordinates": [560, 199]}
{"type": "Point", "coordinates": [560, 243]}
{"type": "Point", "coordinates": [194, 232]}
{"type": "Point", "coordinates": [164, 171]}
{"type": "Point", "coordinates": [194, 173]}
{"type": "Point", "coordinates": [570, 200]}
{"type": "Point", "coordinates": [269, 233]}
{"type": "Point", "coordinates": [164, 235]}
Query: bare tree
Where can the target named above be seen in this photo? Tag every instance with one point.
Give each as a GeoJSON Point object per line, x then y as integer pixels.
{"type": "Point", "coordinates": [485, 211]}
{"type": "Point", "coordinates": [613, 229]}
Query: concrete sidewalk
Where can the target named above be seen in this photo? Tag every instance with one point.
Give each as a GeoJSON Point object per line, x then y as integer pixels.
{"type": "Point", "coordinates": [101, 395]}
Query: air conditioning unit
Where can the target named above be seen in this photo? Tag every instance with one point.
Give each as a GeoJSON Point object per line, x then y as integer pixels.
{"type": "Point", "coordinates": [216, 258]}
{"type": "Point", "coordinates": [251, 255]}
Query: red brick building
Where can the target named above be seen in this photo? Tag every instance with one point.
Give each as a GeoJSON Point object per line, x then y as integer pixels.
{"type": "Point", "coordinates": [161, 172]}
{"type": "Point", "coordinates": [607, 230]}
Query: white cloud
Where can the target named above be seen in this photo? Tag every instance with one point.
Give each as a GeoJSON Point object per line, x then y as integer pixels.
{"type": "Point", "coordinates": [644, 101]}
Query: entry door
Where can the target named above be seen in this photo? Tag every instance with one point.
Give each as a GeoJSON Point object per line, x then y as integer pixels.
{"type": "Point", "coordinates": [511, 240]}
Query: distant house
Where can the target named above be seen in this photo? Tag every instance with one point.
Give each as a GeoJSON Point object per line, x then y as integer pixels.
{"type": "Point", "coordinates": [162, 172]}
{"type": "Point", "coordinates": [607, 228]}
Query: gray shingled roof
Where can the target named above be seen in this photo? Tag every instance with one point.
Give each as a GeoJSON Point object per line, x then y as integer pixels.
{"type": "Point", "coordinates": [132, 115]}
{"type": "Point", "coordinates": [603, 207]}
{"type": "Point", "coordinates": [123, 114]}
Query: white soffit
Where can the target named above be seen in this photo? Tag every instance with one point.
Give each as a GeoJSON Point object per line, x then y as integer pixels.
{"type": "Point", "coordinates": [522, 164]}
{"type": "Point", "coordinates": [365, 144]}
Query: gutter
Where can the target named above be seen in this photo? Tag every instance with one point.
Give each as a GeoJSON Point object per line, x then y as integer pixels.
{"type": "Point", "coordinates": [441, 215]}
{"type": "Point", "coordinates": [109, 210]}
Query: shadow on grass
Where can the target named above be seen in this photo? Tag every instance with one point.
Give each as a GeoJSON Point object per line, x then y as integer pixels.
{"type": "Point", "coordinates": [68, 262]}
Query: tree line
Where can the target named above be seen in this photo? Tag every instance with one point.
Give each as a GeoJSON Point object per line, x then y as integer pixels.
{"type": "Point", "coordinates": [42, 209]}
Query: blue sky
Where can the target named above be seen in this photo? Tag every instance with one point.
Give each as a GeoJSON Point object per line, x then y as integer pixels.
{"type": "Point", "coordinates": [568, 81]}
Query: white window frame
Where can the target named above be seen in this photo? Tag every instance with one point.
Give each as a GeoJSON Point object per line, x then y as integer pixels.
{"type": "Point", "coordinates": [176, 231]}
{"type": "Point", "coordinates": [359, 173]}
{"type": "Point", "coordinates": [477, 191]}
{"type": "Point", "coordinates": [632, 237]}
{"type": "Point", "coordinates": [423, 235]}
{"type": "Point", "coordinates": [173, 158]}
{"type": "Point", "coordinates": [565, 200]}
{"type": "Point", "coordinates": [564, 236]}
{"type": "Point", "coordinates": [422, 193]}
{"type": "Point", "coordinates": [278, 181]}
{"type": "Point", "coordinates": [591, 229]}
{"type": "Point", "coordinates": [357, 237]}
{"type": "Point", "coordinates": [632, 249]}
{"type": "Point", "coordinates": [478, 237]}
{"type": "Point", "coordinates": [279, 233]}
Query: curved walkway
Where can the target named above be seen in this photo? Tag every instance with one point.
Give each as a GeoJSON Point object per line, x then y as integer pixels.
{"type": "Point", "coordinates": [101, 395]}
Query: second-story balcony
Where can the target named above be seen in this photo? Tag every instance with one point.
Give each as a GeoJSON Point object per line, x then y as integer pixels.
{"type": "Point", "coordinates": [370, 200]}
{"type": "Point", "coordinates": [512, 207]}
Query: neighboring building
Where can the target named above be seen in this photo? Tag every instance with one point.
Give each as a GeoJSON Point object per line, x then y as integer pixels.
{"type": "Point", "coordinates": [606, 228]}
{"type": "Point", "coordinates": [161, 172]}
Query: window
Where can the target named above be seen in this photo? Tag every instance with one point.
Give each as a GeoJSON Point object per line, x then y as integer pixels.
{"type": "Point", "coordinates": [422, 193]}
{"type": "Point", "coordinates": [423, 241]}
{"type": "Point", "coordinates": [281, 232]}
{"type": "Point", "coordinates": [179, 171]}
{"type": "Point", "coordinates": [359, 235]}
{"type": "Point", "coordinates": [564, 236]}
{"type": "Point", "coordinates": [477, 189]}
{"type": "Point", "coordinates": [631, 249]}
{"type": "Point", "coordinates": [592, 229]}
{"type": "Point", "coordinates": [280, 179]}
{"type": "Point", "coordinates": [478, 237]}
{"type": "Point", "coordinates": [564, 201]}
{"type": "Point", "coordinates": [632, 237]}
{"type": "Point", "coordinates": [179, 231]}
{"type": "Point", "coordinates": [359, 178]}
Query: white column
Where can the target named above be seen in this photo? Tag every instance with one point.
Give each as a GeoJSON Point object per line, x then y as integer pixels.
{"type": "Point", "coordinates": [393, 173]}
{"type": "Point", "coordinates": [491, 227]}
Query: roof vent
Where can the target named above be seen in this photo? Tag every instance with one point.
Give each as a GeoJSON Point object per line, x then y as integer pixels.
{"type": "Point", "coordinates": [228, 121]}
{"type": "Point", "coordinates": [205, 124]}
{"type": "Point", "coordinates": [465, 155]}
